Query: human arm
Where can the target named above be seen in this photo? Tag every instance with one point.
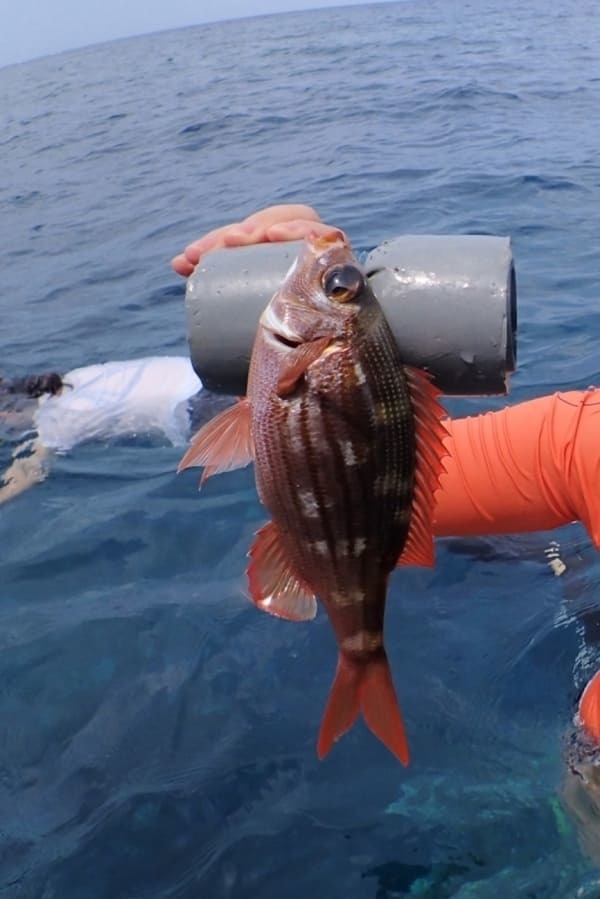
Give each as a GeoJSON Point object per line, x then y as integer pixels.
{"type": "Point", "coordinates": [29, 467]}
{"type": "Point", "coordinates": [529, 467]}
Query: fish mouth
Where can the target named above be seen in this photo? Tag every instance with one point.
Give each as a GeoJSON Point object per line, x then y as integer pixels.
{"type": "Point", "coordinates": [280, 341]}
{"type": "Point", "coordinates": [279, 330]}
{"type": "Point", "coordinates": [287, 340]}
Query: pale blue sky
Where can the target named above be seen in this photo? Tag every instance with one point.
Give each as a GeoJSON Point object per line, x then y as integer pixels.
{"type": "Point", "coordinates": [30, 28]}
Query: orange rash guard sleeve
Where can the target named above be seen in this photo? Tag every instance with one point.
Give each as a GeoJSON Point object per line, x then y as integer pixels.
{"type": "Point", "coordinates": [533, 466]}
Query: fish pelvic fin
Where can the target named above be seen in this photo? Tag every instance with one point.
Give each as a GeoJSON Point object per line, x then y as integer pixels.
{"type": "Point", "coordinates": [273, 586]}
{"type": "Point", "coordinates": [367, 687]}
{"type": "Point", "coordinates": [430, 432]}
{"type": "Point", "coordinates": [222, 444]}
{"type": "Point", "coordinates": [589, 707]}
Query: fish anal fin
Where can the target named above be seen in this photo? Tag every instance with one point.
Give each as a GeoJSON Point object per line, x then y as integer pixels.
{"type": "Point", "coordinates": [430, 432]}
{"type": "Point", "coordinates": [273, 586]}
{"type": "Point", "coordinates": [342, 706]}
{"type": "Point", "coordinates": [297, 362]}
{"type": "Point", "coordinates": [364, 686]}
{"type": "Point", "coordinates": [589, 707]}
{"type": "Point", "coordinates": [222, 444]}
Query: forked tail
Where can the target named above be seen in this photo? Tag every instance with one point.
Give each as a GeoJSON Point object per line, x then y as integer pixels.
{"type": "Point", "coordinates": [364, 687]}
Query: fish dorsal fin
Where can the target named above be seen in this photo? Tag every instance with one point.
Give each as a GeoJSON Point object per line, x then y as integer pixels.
{"type": "Point", "coordinates": [430, 432]}
{"type": "Point", "coordinates": [223, 443]}
{"type": "Point", "coordinates": [297, 361]}
{"type": "Point", "coordinates": [589, 708]}
{"type": "Point", "coordinates": [274, 588]}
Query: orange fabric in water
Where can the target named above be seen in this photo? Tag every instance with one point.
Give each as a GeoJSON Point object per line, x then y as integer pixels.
{"type": "Point", "coordinates": [529, 467]}
{"type": "Point", "coordinates": [589, 707]}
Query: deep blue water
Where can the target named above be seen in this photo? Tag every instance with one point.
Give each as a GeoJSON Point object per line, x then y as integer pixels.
{"type": "Point", "coordinates": [157, 734]}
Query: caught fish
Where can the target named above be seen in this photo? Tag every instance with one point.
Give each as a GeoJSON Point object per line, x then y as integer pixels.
{"type": "Point", "coordinates": [347, 446]}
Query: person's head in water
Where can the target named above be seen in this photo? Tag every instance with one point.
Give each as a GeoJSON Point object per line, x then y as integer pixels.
{"type": "Point", "coordinates": [34, 386]}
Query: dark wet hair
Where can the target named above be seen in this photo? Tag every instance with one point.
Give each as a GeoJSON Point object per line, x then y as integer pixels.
{"type": "Point", "coordinates": [204, 405]}
{"type": "Point", "coordinates": [33, 385]}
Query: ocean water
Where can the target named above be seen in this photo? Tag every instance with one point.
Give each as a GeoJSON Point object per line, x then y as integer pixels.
{"type": "Point", "coordinates": [157, 734]}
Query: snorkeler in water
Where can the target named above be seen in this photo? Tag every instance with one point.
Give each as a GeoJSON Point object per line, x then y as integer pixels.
{"type": "Point", "coordinates": [50, 413]}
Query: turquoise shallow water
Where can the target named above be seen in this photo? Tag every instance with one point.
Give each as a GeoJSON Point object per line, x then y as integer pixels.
{"type": "Point", "coordinates": [157, 734]}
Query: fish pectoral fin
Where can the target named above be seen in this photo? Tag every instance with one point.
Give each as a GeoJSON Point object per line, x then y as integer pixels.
{"type": "Point", "coordinates": [589, 707]}
{"type": "Point", "coordinates": [223, 443]}
{"type": "Point", "coordinates": [274, 587]}
{"type": "Point", "coordinates": [297, 361]}
{"type": "Point", "coordinates": [364, 686]}
{"type": "Point", "coordinates": [430, 432]}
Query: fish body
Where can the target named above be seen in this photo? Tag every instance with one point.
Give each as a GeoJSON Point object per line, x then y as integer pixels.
{"type": "Point", "coordinates": [347, 446]}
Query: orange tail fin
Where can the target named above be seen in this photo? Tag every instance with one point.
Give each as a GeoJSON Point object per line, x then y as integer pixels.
{"type": "Point", "coordinates": [589, 707]}
{"type": "Point", "coordinates": [365, 687]}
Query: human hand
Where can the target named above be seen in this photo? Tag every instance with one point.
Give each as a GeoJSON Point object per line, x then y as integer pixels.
{"type": "Point", "coordinates": [290, 221]}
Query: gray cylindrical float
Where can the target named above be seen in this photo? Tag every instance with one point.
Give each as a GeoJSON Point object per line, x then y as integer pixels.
{"type": "Point", "coordinates": [450, 302]}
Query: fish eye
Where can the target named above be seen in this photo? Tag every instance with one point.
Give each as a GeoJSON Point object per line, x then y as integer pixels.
{"type": "Point", "coordinates": [343, 283]}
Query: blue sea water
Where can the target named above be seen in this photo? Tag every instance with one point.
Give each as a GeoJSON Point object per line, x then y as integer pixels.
{"type": "Point", "coordinates": [157, 734]}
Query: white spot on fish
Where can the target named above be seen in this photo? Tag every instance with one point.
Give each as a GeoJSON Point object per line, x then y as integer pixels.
{"type": "Point", "coordinates": [348, 454]}
{"type": "Point", "coordinates": [360, 544]}
{"type": "Point", "coordinates": [297, 442]}
{"type": "Point", "coordinates": [319, 546]}
{"type": "Point", "coordinates": [363, 641]}
{"type": "Point", "coordinates": [352, 598]}
{"type": "Point", "coordinates": [385, 484]}
{"type": "Point", "coordinates": [308, 503]}
{"type": "Point", "coordinates": [359, 371]}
